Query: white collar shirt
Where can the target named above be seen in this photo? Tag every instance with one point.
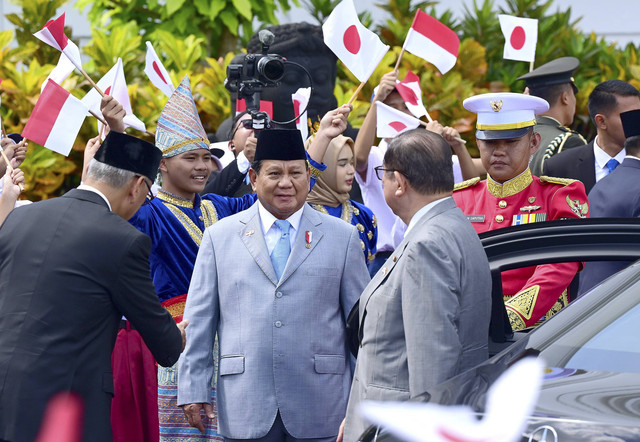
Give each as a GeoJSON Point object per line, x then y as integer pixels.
{"type": "Point", "coordinates": [271, 231]}
{"type": "Point", "coordinates": [602, 158]}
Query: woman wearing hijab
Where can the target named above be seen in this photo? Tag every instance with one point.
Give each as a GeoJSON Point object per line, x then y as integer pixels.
{"type": "Point", "coordinates": [330, 195]}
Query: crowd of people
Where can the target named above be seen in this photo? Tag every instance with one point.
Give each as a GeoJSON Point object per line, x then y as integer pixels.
{"type": "Point", "coordinates": [184, 305]}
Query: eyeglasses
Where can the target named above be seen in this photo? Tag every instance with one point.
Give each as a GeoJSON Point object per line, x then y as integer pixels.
{"type": "Point", "coordinates": [247, 124]}
{"type": "Point", "coordinates": [150, 195]}
{"type": "Point", "coordinates": [381, 170]}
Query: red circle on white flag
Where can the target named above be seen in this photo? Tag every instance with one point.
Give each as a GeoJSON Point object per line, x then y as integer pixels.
{"type": "Point", "coordinates": [351, 39]}
{"type": "Point", "coordinates": [159, 72]}
{"type": "Point", "coordinates": [398, 126]}
{"type": "Point", "coordinates": [518, 37]}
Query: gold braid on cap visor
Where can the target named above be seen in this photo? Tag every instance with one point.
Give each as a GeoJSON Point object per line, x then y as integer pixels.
{"type": "Point", "coordinates": [506, 126]}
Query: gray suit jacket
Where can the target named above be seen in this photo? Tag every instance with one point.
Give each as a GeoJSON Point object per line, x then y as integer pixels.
{"type": "Point", "coordinates": [282, 343]}
{"type": "Point", "coordinates": [425, 314]}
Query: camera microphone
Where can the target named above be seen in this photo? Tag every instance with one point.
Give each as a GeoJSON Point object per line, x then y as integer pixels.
{"type": "Point", "coordinates": [266, 37]}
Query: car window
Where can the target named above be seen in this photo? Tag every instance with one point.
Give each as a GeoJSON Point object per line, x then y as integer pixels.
{"type": "Point", "coordinates": [603, 336]}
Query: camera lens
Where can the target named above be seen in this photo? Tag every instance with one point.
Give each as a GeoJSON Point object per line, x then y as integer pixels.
{"type": "Point", "coordinates": [271, 68]}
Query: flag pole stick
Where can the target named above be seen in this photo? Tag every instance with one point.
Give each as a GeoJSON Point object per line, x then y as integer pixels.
{"type": "Point", "coordinates": [530, 65]}
{"type": "Point", "coordinates": [460, 140]}
{"type": "Point", "coordinates": [428, 118]}
{"type": "Point", "coordinates": [151, 134]}
{"type": "Point", "coordinates": [399, 59]}
{"type": "Point", "coordinates": [93, 84]}
{"type": "Point", "coordinates": [100, 119]}
{"type": "Point", "coordinates": [355, 94]}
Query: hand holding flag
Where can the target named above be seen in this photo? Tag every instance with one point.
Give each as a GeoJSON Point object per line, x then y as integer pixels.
{"type": "Point", "coordinates": [156, 72]}
{"type": "Point", "coordinates": [114, 83]}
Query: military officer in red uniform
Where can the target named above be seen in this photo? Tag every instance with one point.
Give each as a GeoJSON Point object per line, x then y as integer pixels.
{"type": "Point", "coordinates": [511, 195]}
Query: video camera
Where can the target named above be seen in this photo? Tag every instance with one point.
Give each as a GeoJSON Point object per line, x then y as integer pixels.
{"type": "Point", "coordinates": [257, 72]}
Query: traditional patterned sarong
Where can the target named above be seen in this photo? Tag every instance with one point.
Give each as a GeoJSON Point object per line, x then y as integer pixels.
{"type": "Point", "coordinates": [174, 426]}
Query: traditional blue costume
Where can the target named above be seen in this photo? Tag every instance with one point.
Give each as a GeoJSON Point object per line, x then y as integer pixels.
{"type": "Point", "coordinates": [330, 195]}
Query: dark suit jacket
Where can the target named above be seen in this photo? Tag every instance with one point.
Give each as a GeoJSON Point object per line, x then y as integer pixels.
{"type": "Point", "coordinates": [615, 196]}
{"type": "Point", "coordinates": [69, 269]}
{"type": "Point", "coordinates": [228, 182]}
{"type": "Point", "coordinates": [577, 163]}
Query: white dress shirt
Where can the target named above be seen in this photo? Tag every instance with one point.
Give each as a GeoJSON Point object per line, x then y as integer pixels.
{"type": "Point", "coordinates": [271, 231]}
{"type": "Point", "coordinates": [94, 190]}
{"type": "Point", "coordinates": [602, 158]}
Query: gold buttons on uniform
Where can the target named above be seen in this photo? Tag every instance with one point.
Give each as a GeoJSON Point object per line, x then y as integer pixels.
{"type": "Point", "coordinates": [499, 218]}
{"type": "Point", "coordinates": [502, 204]}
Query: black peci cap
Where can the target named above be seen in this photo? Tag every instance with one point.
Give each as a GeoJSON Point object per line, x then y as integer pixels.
{"type": "Point", "coordinates": [631, 123]}
{"type": "Point", "coordinates": [130, 153]}
{"type": "Point", "coordinates": [280, 144]}
{"type": "Point", "coordinates": [557, 71]}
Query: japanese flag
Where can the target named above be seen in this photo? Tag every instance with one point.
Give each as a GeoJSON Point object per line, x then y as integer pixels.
{"type": "Point", "coordinates": [56, 119]}
{"type": "Point", "coordinates": [392, 122]}
{"type": "Point", "coordinates": [521, 37]}
{"type": "Point", "coordinates": [53, 35]}
{"type": "Point", "coordinates": [113, 83]}
{"type": "Point", "coordinates": [357, 47]}
{"type": "Point", "coordinates": [60, 72]}
{"type": "Point", "coordinates": [157, 73]}
{"type": "Point", "coordinates": [300, 101]}
{"type": "Point", "coordinates": [432, 40]}
{"type": "Point", "coordinates": [409, 90]}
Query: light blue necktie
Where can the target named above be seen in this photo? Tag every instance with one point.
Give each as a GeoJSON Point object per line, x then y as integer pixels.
{"type": "Point", "coordinates": [281, 251]}
{"type": "Point", "coordinates": [612, 164]}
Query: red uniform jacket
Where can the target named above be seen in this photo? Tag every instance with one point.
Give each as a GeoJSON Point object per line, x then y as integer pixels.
{"type": "Point", "coordinates": [529, 292]}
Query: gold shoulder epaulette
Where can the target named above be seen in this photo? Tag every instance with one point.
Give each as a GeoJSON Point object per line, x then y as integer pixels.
{"type": "Point", "coordinates": [554, 180]}
{"type": "Point", "coordinates": [467, 183]}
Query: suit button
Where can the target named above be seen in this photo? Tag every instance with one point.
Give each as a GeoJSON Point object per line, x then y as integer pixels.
{"type": "Point", "coordinates": [502, 204]}
{"type": "Point", "coordinates": [278, 294]}
{"type": "Point", "coordinates": [278, 324]}
{"type": "Point", "coordinates": [499, 218]}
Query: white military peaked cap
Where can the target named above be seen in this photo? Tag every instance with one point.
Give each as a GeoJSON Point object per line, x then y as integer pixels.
{"type": "Point", "coordinates": [504, 115]}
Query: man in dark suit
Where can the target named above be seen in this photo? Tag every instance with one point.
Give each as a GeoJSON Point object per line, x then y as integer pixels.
{"type": "Point", "coordinates": [70, 267]}
{"type": "Point", "coordinates": [605, 152]}
{"type": "Point", "coordinates": [618, 196]}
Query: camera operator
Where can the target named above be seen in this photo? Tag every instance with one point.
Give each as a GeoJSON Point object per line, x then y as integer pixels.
{"type": "Point", "coordinates": [233, 179]}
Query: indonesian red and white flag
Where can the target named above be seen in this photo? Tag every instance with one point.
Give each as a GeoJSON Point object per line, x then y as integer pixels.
{"type": "Point", "coordinates": [432, 40]}
{"type": "Point", "coordinates": [157, 73]}
{"type": "Point", "coordinates": [357, 47]}
{"type": "Point", "coordinates": [53, 35]}
{"type": "Point", "coordinates": [521, 37]}
{"type": "Point", "coordinates": [300, 101]}
{"type": "Point", "coordinates": [56, 119]}
{"type": "Point", "coordinates": [265, 106]}
{"type": "Point", "coordinates": [113, 83]}
{"type": "Point", "coordinates": [60, 72]}
{"type": "Point", "coordinates": [392, 122]}
{"type": "Point", "coordinates": [410, 91]}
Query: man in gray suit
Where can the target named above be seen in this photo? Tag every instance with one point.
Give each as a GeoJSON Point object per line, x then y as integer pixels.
{"type": "Point", "coordinates": [424, 317]}
{"type": "Point", "coordinates": [276, 283]}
